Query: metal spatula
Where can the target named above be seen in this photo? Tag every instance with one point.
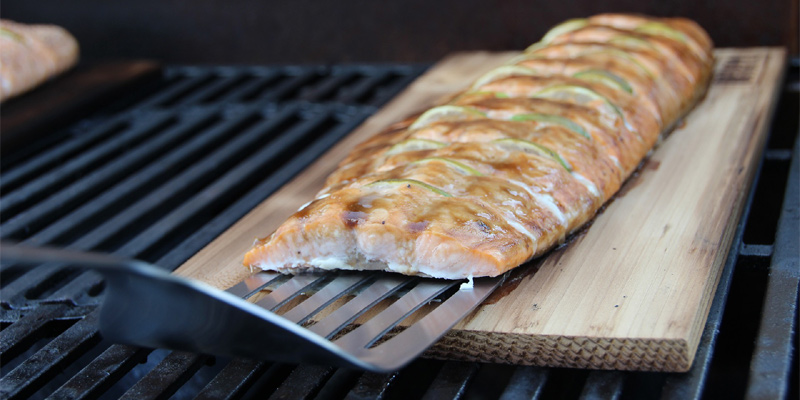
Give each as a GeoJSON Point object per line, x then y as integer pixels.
{"type": "Point", "coordinates": [146, 306]}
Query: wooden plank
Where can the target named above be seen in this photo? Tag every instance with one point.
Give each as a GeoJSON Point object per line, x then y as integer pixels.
{"type": "Point", "coordinates": [631, 292]}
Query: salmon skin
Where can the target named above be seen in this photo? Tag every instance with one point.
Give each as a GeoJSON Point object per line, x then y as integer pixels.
{"type": "Point", "coordinates": [509, 167]}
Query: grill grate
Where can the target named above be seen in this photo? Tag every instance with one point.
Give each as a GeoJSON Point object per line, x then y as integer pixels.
{"type": "Point", "coordinates": [160, 173]}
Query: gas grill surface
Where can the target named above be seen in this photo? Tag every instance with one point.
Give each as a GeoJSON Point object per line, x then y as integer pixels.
{"type": "Point", "coordinates": [158, 173]}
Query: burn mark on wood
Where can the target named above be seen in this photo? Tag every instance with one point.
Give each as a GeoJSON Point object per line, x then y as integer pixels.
{"type": "Point", "coordinates": [737, 69]}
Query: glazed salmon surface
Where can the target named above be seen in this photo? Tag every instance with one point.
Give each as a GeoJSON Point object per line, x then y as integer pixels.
{"type": "Point", "coordinates": [509, 167]}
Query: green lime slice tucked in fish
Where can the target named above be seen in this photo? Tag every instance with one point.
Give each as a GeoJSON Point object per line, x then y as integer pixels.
{"type": "Point", "coordinates": [514, 144]}
{"type": "Point", "coordinates": [661, 29]}
{"type": "Point", "coordinates": [408, 183]}
{"type": "Point", "coordinates": [446, 113]}
{"type": "Point", "coordinates": [606, 78]}
{"type": "Point", "coordinates": [578, 95]}
{"type": "Point", "coordinates": [631, 42]}
{"type": "Point", "coordinates": [461, 167]}
{"type": "Point", "coordinates": [503, 72]}
{"type": "Point", "coordinates": [553, 119]}
{"type": "Point", "coordinates": [625, 56]}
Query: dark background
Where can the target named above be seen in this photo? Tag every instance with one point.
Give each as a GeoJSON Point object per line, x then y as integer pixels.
{"type": "Point", "coordinates": [304, 31]}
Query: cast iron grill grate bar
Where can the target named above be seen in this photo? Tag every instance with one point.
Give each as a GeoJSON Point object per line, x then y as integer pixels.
{"type": "Point", "coordinates": [769, 374]}
{"type": "Point", "coordinates": [233, 380]}
{"type": "Point", "coordinates": [26, 171]}
{"type": "Point", "coordinates": [167, 377]}
{"type": "Point", "coordinates": [91, 161]}
{"type": "Point", "coordinates": [101, 373]}
{"type": "Point", "coordinates": [60, 200]}
{"type": "Point", "coordinates": [213, 96]}
{"type": "Point", "coordinates": [43, 365]}
{"type": "Point", "coordinates": [132, 187]}
{"type": "Point", "coordinates": [451, 381]}
{"type": "Point", "coordinates": [359, 85]}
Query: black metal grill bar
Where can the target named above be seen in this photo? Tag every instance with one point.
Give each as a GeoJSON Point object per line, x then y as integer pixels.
{"type": "Point", "coordinates": [756, 250]}
{"type": "Point", "coordinates": [526, 383]}
{"type": "Point", "coordinates": [26, 378]}
{"type": "Point", "coordinates": [114, 198]}
{"type": "Point", "coordinates": [172, 97]}
{"type": "Point", "coordinates": [101, 373]}
{"type": "Point", "coordinates": [122, 221]}
{"type": "Point", "coordinates": [222, 84]}
{"type": "Point", "coordinates": [452, 380]}
{"type": "Point", "coordinates": [771, 363]}
{"type": "Point", "coordinates": [303, 383]}
{"type": "Point", "coordinates": [603, 385]}
{"type": "Point", "coordinates": [359, 93]}
{"type": "Point", "coordinates": [233, 380]}
{"type": "Point", "coordinates": [19, 333]}
{"type": "Point", "coordinates": [31, 169]}
{"type": "Point", "coordinates": [237, 94]}
{"type": "Point", "coordinates": [120, 190]}
{"type": "Point", "coordinates": [371, 386]}
{"type": "Point", "coordinates": [166, 378]}
{"type": "Point", "coordinates": [327, 89]}
{"type": "Point", "coordinates": [115, 156]}
{"type": "Point", "coordinates": [171, 89]}
{"type": "Point", "coordinates": [778, 155]}
{"type": "Point", "coordinates": [385, 93]}
{"type": "Point", "coordinates": [258, 87]}
{"type": "Point", "coordinates": [361, 85]}
{"type": "Point", "coordinates": [64, 174]}
{"type": "Point", "coordinates": [289, 87]}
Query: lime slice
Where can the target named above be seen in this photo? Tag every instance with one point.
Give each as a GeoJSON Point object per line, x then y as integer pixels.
{"type": "Point", "coordinates": [11, 35]}
{"type": "Point", "coordinates": [532, 148]}
{"type": "Point", "coordinates": [415, 145]}
{"type": "Point", "coordinates": [461, 167]}
{"type": "Point", "coordinates": [446, 113]}
{"type": "Point", "coordinates": [553, 119]}
{"type": "Point", "coordinates": [625, 56]}
{"type": "Point", "coordinates": [393, 183]}
{"type": "Point", "coordinates": [631, 42]}
{"type": "Point", "coordinates": [578, 95]}
{"type": "Point", "coordinates": [564, 27]}
{"type": "Point", "coordinates": [503, 72]}
{"type": "Point", "coordinates": [606, 78]}
{"type": "Point", "coordinates": [661, 29]}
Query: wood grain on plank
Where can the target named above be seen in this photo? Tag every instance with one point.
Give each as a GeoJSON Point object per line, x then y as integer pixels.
{"type": "Point", "coordinates": [631, 292]}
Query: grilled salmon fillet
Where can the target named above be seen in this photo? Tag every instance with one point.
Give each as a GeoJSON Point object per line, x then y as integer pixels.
{"type": "Point", "coordinates": [30, 54]}
{"type": "Point", "coordinates": [508, 168]}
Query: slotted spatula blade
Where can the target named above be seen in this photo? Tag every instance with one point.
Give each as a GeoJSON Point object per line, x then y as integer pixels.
{"type": "Point", "coordinates": [149, 307]}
